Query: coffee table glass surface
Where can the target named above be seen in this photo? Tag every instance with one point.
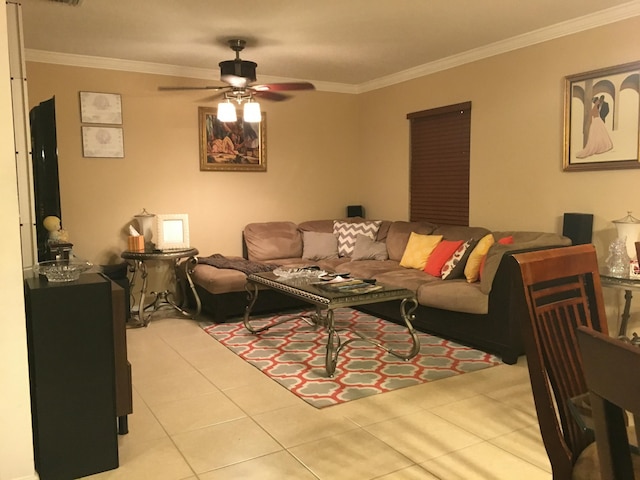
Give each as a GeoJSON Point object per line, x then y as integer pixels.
{"type": "Point", "coordinates": [327, 298]}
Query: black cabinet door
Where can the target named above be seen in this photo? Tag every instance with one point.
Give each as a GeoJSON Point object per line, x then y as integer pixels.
{"type": "Point", "coordinates": [71, 370]}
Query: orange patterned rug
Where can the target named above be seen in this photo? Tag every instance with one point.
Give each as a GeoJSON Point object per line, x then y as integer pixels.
{"type": "Point", "coordinates": [293, 354]}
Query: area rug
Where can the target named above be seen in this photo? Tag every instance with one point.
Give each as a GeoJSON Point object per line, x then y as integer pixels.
{"type": "Point", "coordinates": [293, 354]}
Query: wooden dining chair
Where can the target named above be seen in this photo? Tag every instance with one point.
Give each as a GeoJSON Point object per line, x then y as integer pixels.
{"type": "Point", "coordinates": [560, 291]}
{"type": "Point", "coordinates": [611, 369]}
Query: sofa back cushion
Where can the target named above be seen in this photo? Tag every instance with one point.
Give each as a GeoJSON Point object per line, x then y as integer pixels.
{"type": "Point", "coordinates": [458, 232]}
{"type": "Point", "coordinates": [398, 236]}
{"type": "Point", "coordinates": [320, 226]}
{"type": "Point", "coordinates": [272, 240]}
{"type": "Point", "coordinates": [326, 226]}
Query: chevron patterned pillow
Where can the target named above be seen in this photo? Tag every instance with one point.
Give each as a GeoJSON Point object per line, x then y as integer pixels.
{"type": "Point", "coordinates": [347, 233]}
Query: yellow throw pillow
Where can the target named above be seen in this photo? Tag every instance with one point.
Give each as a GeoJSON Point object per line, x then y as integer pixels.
{"type": "Point", "coordinates": [418, 249]}
{"type": "Point", "coordinates": [472, 268]}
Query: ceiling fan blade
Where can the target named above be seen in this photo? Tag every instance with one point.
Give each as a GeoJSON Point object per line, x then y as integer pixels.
{"type": "Point", "coordinates": [192, 88]}
{"type": "Point", "coordinates": [275, 96]}
{"type": "Point", "coordinates": [281, 87]}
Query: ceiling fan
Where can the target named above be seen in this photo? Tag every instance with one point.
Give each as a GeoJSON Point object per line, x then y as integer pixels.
{"type": "Point", "coordinates": [240, 74]}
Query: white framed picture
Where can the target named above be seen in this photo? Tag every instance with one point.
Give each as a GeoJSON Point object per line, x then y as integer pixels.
{"type": "Point", "coordinates": [105, 108]}
{"type": "Point", "coordinates": [102, 142]}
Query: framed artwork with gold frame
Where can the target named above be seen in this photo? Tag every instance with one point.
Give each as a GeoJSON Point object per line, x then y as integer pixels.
{"type": "Point", "coordinates": [601, 119]}
{"type": "Point", "coordinates": [231, 146]}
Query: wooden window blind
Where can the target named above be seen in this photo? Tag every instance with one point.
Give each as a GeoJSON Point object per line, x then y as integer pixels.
{"type": "Point", "coordinates": [439, 184]}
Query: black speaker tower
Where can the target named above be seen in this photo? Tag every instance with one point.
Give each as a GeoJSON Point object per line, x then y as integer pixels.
{"type": "Point", "coordinates": [578, 227]}
{"type": "Point", "coordinates": [355, 211]}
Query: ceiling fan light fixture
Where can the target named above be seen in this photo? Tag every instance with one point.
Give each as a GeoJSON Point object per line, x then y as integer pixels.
{"type": "Point", "coordinates": [238, 73]}
{"type": "Point", "coordinates": [252, 112]}
{"type": "Point", "coordinates": [227, 112]}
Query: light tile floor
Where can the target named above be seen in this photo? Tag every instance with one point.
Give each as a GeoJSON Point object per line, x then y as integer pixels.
{"type": "Point", "coordinates": [202, 413]}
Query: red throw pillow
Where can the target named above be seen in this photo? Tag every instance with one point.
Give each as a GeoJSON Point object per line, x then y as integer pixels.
{"type": "Point", "coordinates": [506, 240]}
{"type": "Point", "coordinates": [439, 256]}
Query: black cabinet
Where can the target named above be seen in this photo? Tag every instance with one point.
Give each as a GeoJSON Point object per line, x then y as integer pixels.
{"type": "Point", "coordinates": [71, 370]}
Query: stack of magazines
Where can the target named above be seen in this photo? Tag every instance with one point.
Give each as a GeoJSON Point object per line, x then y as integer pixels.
{"type": "Point", "coordinates": [348, 285]}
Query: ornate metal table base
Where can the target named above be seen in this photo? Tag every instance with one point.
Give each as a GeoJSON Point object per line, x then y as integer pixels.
{"type": "Point", "coordinates": [164, 298]}
{"type": "Point", "coordinates": [324, 315]}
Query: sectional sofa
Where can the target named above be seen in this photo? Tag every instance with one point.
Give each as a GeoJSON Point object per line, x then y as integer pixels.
{"type": "Point", "coordinates": [472, 306]}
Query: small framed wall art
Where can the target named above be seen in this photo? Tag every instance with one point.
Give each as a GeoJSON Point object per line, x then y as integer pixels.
{"type": "Point", "coordinates": [601, 118]}
{"type": "Point", "coordinates": [104, 108]}
{"type": "Point", "coordinates": [231, 146]}
{"type": "Point", "coordinates": [102, 142]}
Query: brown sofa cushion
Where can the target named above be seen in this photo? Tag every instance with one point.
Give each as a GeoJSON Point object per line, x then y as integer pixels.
{"type": "Point", "coordinates": [219, 280]}
{"type": "Point", "coordinates": [456, 295]}
{"type": "Point", "coordinates": [321, 226]}
{"type": "Point", "coordinates": [326, 226]}
{"type": "Point", "coordinates": [285, 241]}
{"type": "Point", "coordinates": [458, 232]}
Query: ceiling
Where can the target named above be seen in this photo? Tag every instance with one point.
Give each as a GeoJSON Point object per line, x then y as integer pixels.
{"type": "Point", "coordinates": [348, 44]}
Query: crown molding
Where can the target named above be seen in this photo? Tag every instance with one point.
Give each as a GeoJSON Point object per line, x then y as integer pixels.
{"type": "Point", "coordinates": [86, 61]}
{"type": "Point", "coordinates": [603, 17]}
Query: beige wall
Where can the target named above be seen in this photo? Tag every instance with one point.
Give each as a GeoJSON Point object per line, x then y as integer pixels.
{"type": "Point", "coordinates": [517, 180]}
{"type": "Point", "coordinates": [328, 150]}
{"type": "Point", "coordinates": [310, 166]}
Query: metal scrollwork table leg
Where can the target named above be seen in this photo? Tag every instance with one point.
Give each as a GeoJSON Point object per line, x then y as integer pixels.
{"type": "Point", "coordinates": [334, 343]}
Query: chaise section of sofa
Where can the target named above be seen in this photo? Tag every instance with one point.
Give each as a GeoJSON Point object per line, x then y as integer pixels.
{"type": "Point", "coordinates": [475, 313]}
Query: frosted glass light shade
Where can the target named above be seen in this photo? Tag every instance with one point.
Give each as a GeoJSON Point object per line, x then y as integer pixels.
{"type": "Point", "coordinates": [252, 112]}
{"type": "Point", "coordinates": [227, 112]}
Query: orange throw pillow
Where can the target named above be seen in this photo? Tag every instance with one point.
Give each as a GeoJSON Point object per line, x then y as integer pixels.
{"type": "Point", "coordinates": [442, 253]}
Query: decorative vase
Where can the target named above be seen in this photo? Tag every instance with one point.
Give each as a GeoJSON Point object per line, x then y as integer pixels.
{"type": "Point", "coordinates": [145, 222]}
{"type": "Point", "coordinates": [629, 231]}
{"type": "Point", "coordinates": [618, 260]}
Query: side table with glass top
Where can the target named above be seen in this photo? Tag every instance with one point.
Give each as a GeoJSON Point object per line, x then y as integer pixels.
{"type": "Point", "coordinates": [628, 284]}
{"type": "Point", "coordinates": [183, 261]}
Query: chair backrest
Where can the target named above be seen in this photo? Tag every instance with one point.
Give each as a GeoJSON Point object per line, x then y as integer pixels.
{"type": "Point", "coordinates": [561, 289]}
{"type": "Point", "coordinates": [611, 369]}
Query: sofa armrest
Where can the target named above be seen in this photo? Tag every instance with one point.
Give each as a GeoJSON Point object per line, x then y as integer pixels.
{"type": "Point", "coordinates": [523, 242]}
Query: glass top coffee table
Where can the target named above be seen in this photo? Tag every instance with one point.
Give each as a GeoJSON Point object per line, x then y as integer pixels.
{"type": "Point", "coordinates": [315, 292]}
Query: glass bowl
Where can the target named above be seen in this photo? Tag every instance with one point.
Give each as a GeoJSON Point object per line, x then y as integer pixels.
{"type": "Point", "coordinates": [300, 272]}
{"type": "Point", "coordinates": [61, 270]}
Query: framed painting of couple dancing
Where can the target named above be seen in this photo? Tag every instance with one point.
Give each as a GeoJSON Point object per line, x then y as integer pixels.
{"type": "Point", "coordinates": [231, 146]}
{"type": "Point", "coordinates": [601, 119]}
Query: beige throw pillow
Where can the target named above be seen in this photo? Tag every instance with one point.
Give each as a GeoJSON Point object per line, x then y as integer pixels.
{"type": "Point", "coordinates": [319, 246]}
{"type": "Point", "coordinates": [367, 249]}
